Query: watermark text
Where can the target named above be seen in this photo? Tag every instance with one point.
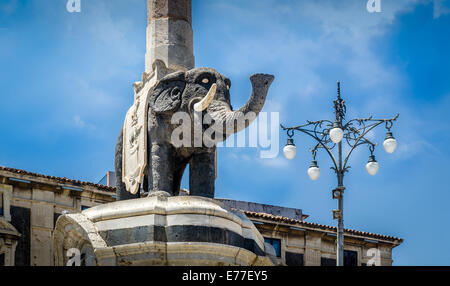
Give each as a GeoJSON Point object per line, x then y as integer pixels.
{"type": "Point", "coordinates": [73, 6]}
{"type": "Point", "coordinates": [374, 6]}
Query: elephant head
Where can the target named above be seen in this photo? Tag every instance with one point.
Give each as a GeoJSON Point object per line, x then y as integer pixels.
{"type": "Point", "coordinates": [207, 91]}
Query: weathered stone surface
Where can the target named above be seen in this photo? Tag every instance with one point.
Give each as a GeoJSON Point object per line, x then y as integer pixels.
{"type": "Point", "coordinates": [313, 250]}
{"type": "Point", "coordinates": [161, 231]}
{"type": "Point", "coordinates": [6, 196]}
{"type": "Point", "coordinates": [43, 195]}
{"type": "Point", "coordinates": [169, 35]}
{"type": "Point", "coordinates": [42, 215]}
{"type": "Point", "coordinates": [41, 247]}
{"type": "Point", "coordinates": [170, 42]}
{"type": "Point", "coordinates": [175, 9]}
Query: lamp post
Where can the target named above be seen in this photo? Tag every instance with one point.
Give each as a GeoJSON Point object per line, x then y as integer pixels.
{"type": "Point", "coordinates": [330, 136]}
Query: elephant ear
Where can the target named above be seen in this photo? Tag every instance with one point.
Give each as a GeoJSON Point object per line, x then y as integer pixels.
{"type": "Point", "coordinates": [165, 97]}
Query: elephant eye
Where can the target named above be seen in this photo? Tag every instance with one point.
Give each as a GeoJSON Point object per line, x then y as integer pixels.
{"type": "Point", "coordinates": [205, 80]}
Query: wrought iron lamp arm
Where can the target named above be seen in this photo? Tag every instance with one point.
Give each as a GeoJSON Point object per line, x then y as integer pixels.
{"type": "Point", "coordinates": [366, 129]}
{"type": "Point", "coordinates": [362, 121]}
{"type": "Point", "coordinates": [290, 132]}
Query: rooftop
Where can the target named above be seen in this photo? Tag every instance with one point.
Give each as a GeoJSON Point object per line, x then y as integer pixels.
{"type": "Point", "coordinates": [291, 213]}
{"type": "Point", "coordinates": [11, 174]}
{"type": "Point", "coordinates": [307, 225]}
{"type": "Point", "coordinates": [276, 214]}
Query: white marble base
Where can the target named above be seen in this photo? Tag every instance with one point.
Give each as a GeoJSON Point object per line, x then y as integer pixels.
{"type": "Point", "coordinates": [182, 230]}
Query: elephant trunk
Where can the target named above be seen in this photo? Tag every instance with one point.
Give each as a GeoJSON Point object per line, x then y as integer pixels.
{"type": "Point", "coordinates": [228, 121]}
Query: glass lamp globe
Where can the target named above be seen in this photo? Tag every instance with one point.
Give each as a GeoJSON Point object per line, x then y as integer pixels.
{"type": "Point", "coordinates": [336, 134]}
{"type": "Point", "coordinates": [314, 171]}
{"type": "Point", "coordinates": [290, 150]}
{"type": "Point", "coordinates": [389, 143]}
{"type": "Point", "coordinates": [372, 166]}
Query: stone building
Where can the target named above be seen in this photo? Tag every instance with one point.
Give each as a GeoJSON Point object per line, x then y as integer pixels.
{"type": "Point", "coordinates": [31, 203]}
{"type": "Point", "coordinates": [301, 243]}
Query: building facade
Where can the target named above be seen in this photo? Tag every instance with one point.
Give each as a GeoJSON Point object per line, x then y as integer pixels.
{"type": "Point", "coordinates": [31, 203]}
{"type": "Point", "coordinates": [300, 243]}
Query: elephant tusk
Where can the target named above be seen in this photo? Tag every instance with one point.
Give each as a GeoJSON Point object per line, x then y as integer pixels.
{"type": "Point", "coordinates": [206, 101]}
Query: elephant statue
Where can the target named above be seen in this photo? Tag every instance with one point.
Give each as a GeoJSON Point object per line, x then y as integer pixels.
{"type": "Point", "coordinates": [201, 91]}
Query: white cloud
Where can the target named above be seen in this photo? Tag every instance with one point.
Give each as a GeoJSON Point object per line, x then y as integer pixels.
{"type": "Point", "coordinates": [346, 33]}
{"type": "Point", "coordinates": [300, 39]}
{"type": "Point", "coordinates": [409, 149]}
{"type": "Point", "coordinates": [440, 9]}
{"type": "Point", "coordinates": [278, 162]}
{"type": "Point", "coordinates": [78, 121]}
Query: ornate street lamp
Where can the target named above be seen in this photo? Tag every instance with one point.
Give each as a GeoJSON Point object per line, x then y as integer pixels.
{"type": "Point", "coordinates": [330, 135]}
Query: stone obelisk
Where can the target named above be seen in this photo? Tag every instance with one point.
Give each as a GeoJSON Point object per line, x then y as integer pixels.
{"type": "Point", "coordinates": [169, 34]}
{"type": "Point", "coordinates": [169, 49]}
{"type": "Point", "coordinates": [169, 38]}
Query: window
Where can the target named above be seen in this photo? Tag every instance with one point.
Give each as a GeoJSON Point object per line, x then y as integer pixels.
{"type": "Point", "coordinates": [2, 259]}
{"type": "Point", "coordinates": [84, 208]}
{"type": "Point", "coordinates": [276, 243]}
{"type": "Point", "coordinates": [327, 262]}
{"type": "Point", "coordinates": [350, 258]}
{"type": "Point", "coordinates": [1, 204]}
{"type": "Point", "coordinates": [294, 259]}
{"type": "Point", "coordinates": [21, 220]}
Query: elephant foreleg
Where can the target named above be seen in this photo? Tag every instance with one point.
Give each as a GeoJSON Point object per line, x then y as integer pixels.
{"type": "Point", "coordinates": [202, 174]}
{"type": "Point", "coordinates": [160, 170]}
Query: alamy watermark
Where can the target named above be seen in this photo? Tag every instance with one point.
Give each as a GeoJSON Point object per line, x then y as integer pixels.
{"type": "Point", "coordinates": [73, 6]}
{"type": "Point", "coordinates": [74, 255]}
{"type": "Point", "coordinates": [261, 132]}
{"type": "Point", "coordinates": [373, 6]}
{"type": "Point", "coordinates": [77, 257]}
{"type": "Point", "coordinates": [375, 255]}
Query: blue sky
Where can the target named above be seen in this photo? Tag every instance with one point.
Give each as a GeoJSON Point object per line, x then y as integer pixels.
{"type": "Point", "coordinates": [66, 84]}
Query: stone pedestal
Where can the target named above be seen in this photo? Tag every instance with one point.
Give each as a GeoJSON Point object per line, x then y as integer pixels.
{"type": "Point", "coordinates": [182, 230]}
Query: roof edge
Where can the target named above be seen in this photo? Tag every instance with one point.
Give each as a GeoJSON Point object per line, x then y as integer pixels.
{"type": "Point", "coordinates": [286, 220]}
{"type": "Point", "coordinates": [58, 179]}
